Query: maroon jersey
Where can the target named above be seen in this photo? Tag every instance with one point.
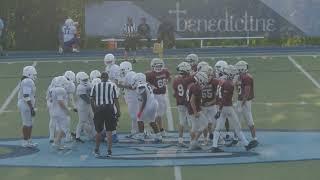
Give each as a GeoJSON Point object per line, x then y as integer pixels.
{"type": "Point", "coordinates": [209, 91]}
{"type": "Point", "coordinates": [225, 93]}
{"type": "Point", "coordinates": [180, 85]}
{"type": "Point", "coordinates": [245, 80]}
{"type": "Point", "coordinates": [193, 89]}
{"type": "Point", "coordinates": [178, 90]}
{"type": "Point", "coordinates": [158, 80]}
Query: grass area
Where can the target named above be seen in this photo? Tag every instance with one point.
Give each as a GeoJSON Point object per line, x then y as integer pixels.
{"type": "Point", "coordinates": [285, 99]}
{"type": "Point", "coordinates": [4, 150]}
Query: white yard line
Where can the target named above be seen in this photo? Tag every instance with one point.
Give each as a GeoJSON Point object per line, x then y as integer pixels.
{"type": "Point", "coordinates": [12, 95]}
{"type": "Point", "coordinates": [169, 113]}
{"type": "Point", "coordinates": [315, 82]}
{"type": "Point", "coordinates": [177, 173]}
{"type": "Point", "coordinates": [177, 169]}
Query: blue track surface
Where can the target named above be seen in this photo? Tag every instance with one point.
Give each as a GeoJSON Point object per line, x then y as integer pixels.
{"type": "Point", "coordinates": [275, 146]}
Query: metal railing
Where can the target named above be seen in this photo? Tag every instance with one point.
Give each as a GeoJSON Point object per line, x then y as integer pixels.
{"type": "Point", "coordinates": [202, 39]}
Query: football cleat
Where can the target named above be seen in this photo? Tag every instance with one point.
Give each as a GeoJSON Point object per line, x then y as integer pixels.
{"type": "Point", "coordinates": [79, 140]}
{"type": "Point", "coordinates": [96, 153]}
{"type": "Point", "coordinates": [251, 145]}
{"type": "Point", "coordinates": [109, 153]}
{"type": "Point", "coordinates": [215, 150]}
{"type": "Point", "coordinates": [232, 143]}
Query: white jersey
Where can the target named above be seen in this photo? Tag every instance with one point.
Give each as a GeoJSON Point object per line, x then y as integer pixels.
{"type": "Point", "coordinates": [27, 87]}
{"type": "Point", "coordinates": [128, 80]}
{"type": "Point", "coordinates": [113, 72]}
{"type": "Point", "coordinates": [48, 93]}
{"type": "Point", "coordinates": [83, 89]}
{"type": "Point", "coordinates": [150, 96]}
{"type": "Point", "coordinates": [69, 32]}
{"type": "Point", "coordinates": [71, 88]}
{"type": "Point", "coordinates": [58, 94]}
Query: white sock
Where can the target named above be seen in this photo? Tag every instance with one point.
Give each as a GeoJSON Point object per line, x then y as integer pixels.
{"type": "Point", "coordinates": [180, 140]}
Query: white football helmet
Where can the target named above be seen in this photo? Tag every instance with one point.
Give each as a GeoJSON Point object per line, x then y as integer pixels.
{"type": "Point", "coordinates": [201, 78]}
{"type": "Point", "coordinates": [242, 66]}
{"type": "Point", "coordinates": [192, 59]}
{"type": "Point", "coordinates": [95, 74]}
{"type": "Point", "coordinates": [203, 67]}
{"type": "Point", "coordinates": [125, 67]}
{"type": "Point", "coordinates": [30, 72]}
{"type": "Point", "coordinates": [71, 76]}
{"type": "Point", "coordinates": [95, 81]}
{"type": "Point", "coordinates": [69, 22]}
{"type": "Point", "coordinates": [184, 68]}
{"type": "Point", "coordinates": [139, 78]}
{"type": "Point", "coordinates": [230, 71]}
{"type": "Point", "coordinates": [82, 78]}
{"type": "Point", "coordinates": [61, 81]}
{"type": "Point", "coordinates": [218, 68]}
{"type": "Point", "coordinates": [157, 64]}
{"type": "Point", "coordinates": [109, 59]}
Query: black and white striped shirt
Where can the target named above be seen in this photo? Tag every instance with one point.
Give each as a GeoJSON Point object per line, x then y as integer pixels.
{"type": "Point", "coordinates": [104, 93]}
{"type": "Point", "coordinates": [130, 30]}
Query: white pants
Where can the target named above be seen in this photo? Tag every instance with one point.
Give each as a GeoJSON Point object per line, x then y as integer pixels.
{"type": "Point", "coordinates": [209, 113]}
{"type": "Point", "coordinates": [52, 125]}
{"type": "Point", "coordinates": [244, 112]}
{"type": "Point", "coordinates": [198, 124]}
{"type": "Point", "coordinates": [133, 109]}
{"type": "Point", "coordinates": [162, 104]}
{"type": "Point", "coordinates": [228, 112]}
{"type": "Point", "coordinates": [61, 122]}
{"type": "Point", "coordinates": [85, 123]}
{"type": "Point", "coordinates": [25, 112]}
{"type": "Point", "coordinates": [149, 113]}
{"type": "Point", "coordinates": [183, 113]}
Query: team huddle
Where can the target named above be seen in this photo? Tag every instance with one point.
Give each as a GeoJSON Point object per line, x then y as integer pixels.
{"type": "Point", "coordinates": [204, 97]}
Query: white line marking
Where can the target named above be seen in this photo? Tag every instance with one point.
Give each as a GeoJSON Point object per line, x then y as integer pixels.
{"type": "Point", "coordinates": [169, 113]}
{"type": "Point", "coordinates": [177, 173]}
{"type": "Point", "coordinates": [12, 95]}
{"type": "Point", "coordinates": [315, 82]}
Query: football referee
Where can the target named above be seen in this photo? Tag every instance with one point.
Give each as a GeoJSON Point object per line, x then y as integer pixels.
{"type": "Point", "coordinates": [103, 99]}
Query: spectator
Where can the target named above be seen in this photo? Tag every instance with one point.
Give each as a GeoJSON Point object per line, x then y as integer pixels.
{"type": "Point", "coordinates": [166, 33]}
{"type": "Point", "coordinates": [1, 37]}
{"type": "Point", "coordinates": [144, 32]}
{"type": "Point", "coordinates": [131, 39]}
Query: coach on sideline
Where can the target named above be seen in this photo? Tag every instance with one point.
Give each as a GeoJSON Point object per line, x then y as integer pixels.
{"type": "Point", "coordinates": [103, 99]}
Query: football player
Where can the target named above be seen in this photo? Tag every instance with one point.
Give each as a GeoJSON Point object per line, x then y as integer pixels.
{"type": "Point", "coordinates": [69, 35]}
{"type": "Point", "coordinates": [245, 95]}
{"type": "Point", "coordinates": [113, 71]}
{"type": "Point", "coordinates": [208, 103]}
{"type": "Point", "coordinates": [52, 126]}
{"type": "Point", "coordinates": [130, 95]}
{"type": "Point", "coordinates": [158, 78]}
{"type": "Point", "coordinates": [225, 110]}
{"type": "Point", "coordinates": [198, 121]}
{"type": "Point", "coordinates": [60, 112]}
{"type": "Point", "coordinates": [180, 85]}
{"type": "Point", "coordinates": [85, 113]}
{"type": "Point", "coordinates": [193, 60]}
{"type": "Point", "coordinates": [71, 89]}
{"type": "Point", "coordinates": [147, 107]}
{"type": "Point", "coordinates": [26, 104]}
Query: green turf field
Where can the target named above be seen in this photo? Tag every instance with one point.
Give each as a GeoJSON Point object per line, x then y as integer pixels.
{"type": "Point", "coordinates": [285, 99]}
